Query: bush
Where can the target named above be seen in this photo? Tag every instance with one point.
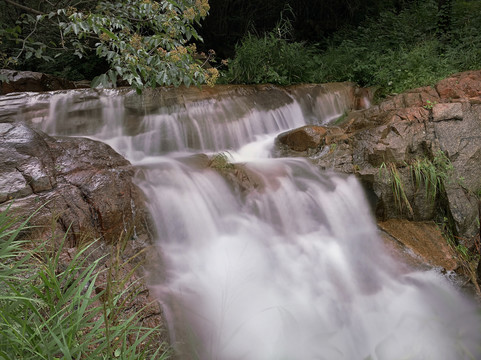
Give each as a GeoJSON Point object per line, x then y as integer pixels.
{"type": "Point", "coordinates": [269, 59]}
{"type": "Point", "coordinates": [273, 58]}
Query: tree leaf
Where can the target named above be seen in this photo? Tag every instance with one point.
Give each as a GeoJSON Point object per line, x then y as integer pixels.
{"type": "Point", "coordinates": [100, 80]}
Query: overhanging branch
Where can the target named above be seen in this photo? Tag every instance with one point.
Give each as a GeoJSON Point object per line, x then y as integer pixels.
{"type": "Point", "coordinates": [23, 7]}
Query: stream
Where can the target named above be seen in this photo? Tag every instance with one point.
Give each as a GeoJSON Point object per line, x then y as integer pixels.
{"type": "Point", "coordinates": [291, 268]}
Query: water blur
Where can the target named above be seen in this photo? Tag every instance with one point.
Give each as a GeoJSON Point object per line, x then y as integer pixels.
{"type": "Point", "coordinates": [291, 269]}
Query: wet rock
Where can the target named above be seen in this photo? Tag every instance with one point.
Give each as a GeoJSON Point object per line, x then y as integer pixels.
{"type": "Point", "coordinates": [23, 81]}
{"type": "Point", "coordinates": [423, 239]}
{"type": "Point", "coordinates": [303, 138]}
{"type": "Point", "coordinates": [82, 186]}
{"type": "Point", "coordinates": [81, 190]}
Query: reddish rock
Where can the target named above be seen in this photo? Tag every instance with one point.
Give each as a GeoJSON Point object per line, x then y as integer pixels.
{"type": "Point", "coordinates": [447, 111]}
{"type": "Point", "coordinates": [411, 126]}
{"type": "Point", "coordinates": [463, 85]}
{"type": "Point", "coordinates": [423, 239]}
{"type": "Point", "coordinates": [413, 114]}
{"type": "Point", "coordinates": [303, 138]}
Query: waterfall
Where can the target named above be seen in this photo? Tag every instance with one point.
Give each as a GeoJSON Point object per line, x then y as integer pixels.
{"type": "Point", "coordinates": [291, 267]}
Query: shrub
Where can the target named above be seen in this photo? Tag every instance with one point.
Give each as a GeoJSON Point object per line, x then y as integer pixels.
{"type": "Point", "coordinates": [273, 58]}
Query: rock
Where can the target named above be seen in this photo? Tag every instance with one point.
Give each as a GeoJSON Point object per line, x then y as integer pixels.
{"type": "Point", "coordinates": [26, 164]}
{"type": "Point", "coordinates": [424, 239]}
{"type": "Point", "coordinates": [450, 111]}
{"type": "Point", "coordinates": [81, 185]}
{"type": "Point", "coordinates": [466, 85]}
{"type": "Point", "coordinates": [303, 138]}
{"type": "Point", "coordinates": [80, 190]}
{"type": "Point", "coordinates": [463, 208]}
{"type": "Point", "coordinates": [461, 140]}
{"type": "Point", "coordinates": [22, 81]}
{"type": "Point", "coordinates": [404, 129]}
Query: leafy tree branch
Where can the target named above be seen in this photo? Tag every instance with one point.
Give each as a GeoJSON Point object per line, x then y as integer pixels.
{"type": "Point", "coordinates": [145, 43]}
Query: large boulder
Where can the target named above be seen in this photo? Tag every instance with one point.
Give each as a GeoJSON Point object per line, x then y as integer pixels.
{"type": "Point", "coordinates": [81, 186]}
{"type": "Point", "coordinates": [74, 191]}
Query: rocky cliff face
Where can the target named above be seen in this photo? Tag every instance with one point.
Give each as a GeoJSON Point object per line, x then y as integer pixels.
{"type": "Point", "coordinates": [405, 148]}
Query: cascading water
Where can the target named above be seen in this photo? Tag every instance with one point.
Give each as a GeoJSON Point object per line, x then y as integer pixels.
{"type": "Point", "coordinates": [292, 267]}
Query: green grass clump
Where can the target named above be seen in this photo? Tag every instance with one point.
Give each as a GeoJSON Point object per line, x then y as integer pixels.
{"type": "Point", "coordinates": [272, 58]}
{"type": "Point", "coordinates": [397, 185]}
{"type": "Point", "coordinates": [221, 161]}
{"type": "Point", "coordinates": [433, 174]}
{"type": "Point", "coordinates": [50, 309]}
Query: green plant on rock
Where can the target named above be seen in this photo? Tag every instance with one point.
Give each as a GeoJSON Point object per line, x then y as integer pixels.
{"type": "Point", "coordinates": [332, 148]}
{"type": "Point", "coordinates": [465, 257]}
{"type": "Point", "coordinates": [429, 104]}
{"type": "Point", "coordinates": [397, 186]}
{"type": "Point", "coordinates": [433, 174]}
{"type": "Point", "coordinates": [221, 161]}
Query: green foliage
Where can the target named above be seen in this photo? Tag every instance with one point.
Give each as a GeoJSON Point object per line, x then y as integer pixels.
{"type": "Point", "coordinates": [433, 174]}
{"type": "Point", "coordinates": [221, 161]}
{"type": "Point", "coordinates": [396, 51]}
{"type": "Point", "coordinates": [429, 104]}
{"type": "Point", "coordinates": [53, 310]}
{"type": "Point", "coordinates": [144, 43]}
{"type": "Point", "coordinates": [272, 58]}
{"type": "Point", "coordinates": [464, 41]}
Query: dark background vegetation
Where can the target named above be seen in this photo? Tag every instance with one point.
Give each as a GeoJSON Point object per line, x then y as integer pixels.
{"type": "Point", "coordinates": [392, 44]}
{"type": "Point", "coordinates": [312, 20]}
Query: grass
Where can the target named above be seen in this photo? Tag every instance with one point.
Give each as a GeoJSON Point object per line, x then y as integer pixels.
{"type": "Point", "coordinates": [397, 185]}
{"type": "Point", "coordinates": [430, 174]}
{"type": "Point", "coordinates": [465, 257]}
{"type": "Point", "coordinates": [221, 162]}
{"type": "Point", "coordinates": [52, 309]}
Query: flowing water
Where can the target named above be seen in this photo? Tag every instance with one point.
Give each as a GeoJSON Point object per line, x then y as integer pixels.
{"type": "Point", "coordinates": [289, 267]}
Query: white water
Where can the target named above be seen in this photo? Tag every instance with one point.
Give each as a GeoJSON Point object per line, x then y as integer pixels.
{"type": "Point", "coordinates": [291, 270]}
